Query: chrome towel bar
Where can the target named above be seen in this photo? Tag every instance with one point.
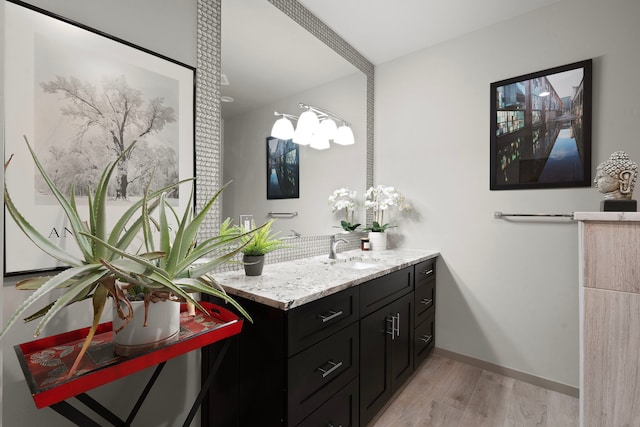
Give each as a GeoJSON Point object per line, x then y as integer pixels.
{"type": "Point", "coordinates": [500, 215]}
{"type": "Point", "coordinates": [283, 214]}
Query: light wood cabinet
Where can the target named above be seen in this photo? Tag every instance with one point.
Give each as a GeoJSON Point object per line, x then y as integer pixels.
{"type": "Point", "coordinates": [609, 319]}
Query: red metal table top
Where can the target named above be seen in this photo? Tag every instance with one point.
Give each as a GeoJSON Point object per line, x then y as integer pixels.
{"type": "Point", "coordinates": [45, 362]}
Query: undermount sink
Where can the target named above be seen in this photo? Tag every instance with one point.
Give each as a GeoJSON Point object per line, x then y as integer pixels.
{"type": "Point", "coordinates": [356, 263]}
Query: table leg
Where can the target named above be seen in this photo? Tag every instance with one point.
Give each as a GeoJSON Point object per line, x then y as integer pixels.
{"type": "Point", "coordinates": [144, 394]}
{"type": "Point", "coordinates": [72, 414]}
{"type": "Point", "coordinates": [207, 383]}
{"type": "Point", "coordinates": [99, 409]}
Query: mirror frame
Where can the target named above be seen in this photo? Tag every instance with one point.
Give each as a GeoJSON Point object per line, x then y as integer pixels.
{"type": "Point", "coordinates": [208, 148]}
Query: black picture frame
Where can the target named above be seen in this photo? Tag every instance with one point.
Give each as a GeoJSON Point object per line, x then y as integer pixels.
{"type": "Point", "coordinates": [50, 57]}
{"type": "Point", "coordinates": [283, 169]}
{"type": "Point", "coordinates": [541, 129]}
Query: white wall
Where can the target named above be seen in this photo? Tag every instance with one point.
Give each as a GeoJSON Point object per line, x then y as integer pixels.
{"type": "Point", "coordinates": [168, 28]}
{"type": "Point", "coordinates": [321, 171]}
{"type": "Point", "coordinates": [2, 38]}
{"type": "Point", "coordinates": [507, 291]}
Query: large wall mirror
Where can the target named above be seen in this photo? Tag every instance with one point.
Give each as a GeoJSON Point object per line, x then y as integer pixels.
{"type": "Point", "coordinates": [271, 63]}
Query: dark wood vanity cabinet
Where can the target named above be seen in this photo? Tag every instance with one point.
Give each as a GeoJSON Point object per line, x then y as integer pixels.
{"type": "Point", "coordinates": [386, 347]}
{"type": "Point", "coordinates": [425, 313]}
{"type": "Point", "coordinates": [292, 365]}
{"type": "Point", "coordinates": [334, 361]}
{"type": "Point", "coordinates": [398, 325]}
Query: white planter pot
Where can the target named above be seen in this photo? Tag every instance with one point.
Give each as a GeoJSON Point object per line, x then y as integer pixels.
{"type": "Point", "coordinates": [378, 241]}
{"type": "Point", "coordinates": [163, 327]}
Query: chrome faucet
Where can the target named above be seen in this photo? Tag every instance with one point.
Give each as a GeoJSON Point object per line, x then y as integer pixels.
{"type": "Point", "coordinates": [334, 245]}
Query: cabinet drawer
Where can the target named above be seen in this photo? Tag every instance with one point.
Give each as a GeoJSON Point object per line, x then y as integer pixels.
{"type": "Point", "coordinates": [425, 271]}
{"type": "Point", "coordinates": [425, 337]}
{"type": "Point", "coordinates": [377, 293]}
{"type": "Point", "coordinates": [320, 371]}
{"type": "Point", "coordinates": [340, 410]}
{"type": "Point", "coordinates": [425, 300]}
{"type": "Point", "coordinates": [316, 320]}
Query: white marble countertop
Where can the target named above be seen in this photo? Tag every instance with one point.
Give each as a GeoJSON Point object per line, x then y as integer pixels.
{"type": "Point", "coordinates": [606, 216]}
{"type": "Point", "coordinates": [286, 285]}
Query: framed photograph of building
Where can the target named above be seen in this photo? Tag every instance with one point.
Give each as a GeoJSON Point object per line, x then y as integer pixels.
{"type": "Point", "coordinates": [283, 169]}
{"type": "Point", "coordinates": [81, 97]}
{"type": "Point", "coordinates": [541, 129]}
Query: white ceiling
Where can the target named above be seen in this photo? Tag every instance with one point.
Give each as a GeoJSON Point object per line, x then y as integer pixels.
{"type": "Point", "coordinates": [383, 30]}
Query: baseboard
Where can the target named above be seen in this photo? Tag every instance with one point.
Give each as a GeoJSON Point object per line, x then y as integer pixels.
{"type": "Point", "coordinates": [512, 373]}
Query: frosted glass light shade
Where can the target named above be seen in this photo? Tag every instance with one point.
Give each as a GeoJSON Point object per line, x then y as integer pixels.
{"type": "Point", "coordinates": [301, 137]}
{"type": "Point", "coordinates": [282, 129]}
{"type": "Point", "coordinates": [328, 128]}
{"type": "Point", "coordinates": [307, 126]}
{"type": "Point", "coordinates": [319, 142]}
{"type": "Point", "coordinates": [344, 136]}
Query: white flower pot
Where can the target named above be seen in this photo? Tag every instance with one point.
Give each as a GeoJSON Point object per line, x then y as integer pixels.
{"type": "Point", "coordinates": [378, 241]}
{"type": "Point", "coordinates": [163, 327]}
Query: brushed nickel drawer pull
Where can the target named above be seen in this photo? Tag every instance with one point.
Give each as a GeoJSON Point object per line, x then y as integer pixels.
{"type": "Point", "coordinates": [333, 367]}
{"type": "Point", "coordinates": [331, 425]}
{"type": "Point", "coordinates": [392, 332]}
{"type": "Point", "coordinates": [332, 315]}
{"type": "Point", "coordinates": [398, 325]}
{"type": "Point", "coordinates": [426, 301]}
{"type": "Point", "coordinates": [426, 338]}
{"type": "Point", "coordinates": [428, 272]}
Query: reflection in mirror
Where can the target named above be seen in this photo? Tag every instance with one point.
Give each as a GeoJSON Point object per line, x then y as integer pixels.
{"type": "Point", "coordinates": [273, 64]}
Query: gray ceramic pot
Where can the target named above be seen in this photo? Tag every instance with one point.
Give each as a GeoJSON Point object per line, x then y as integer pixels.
{"type": "Point", "coordinates": [253, 264]}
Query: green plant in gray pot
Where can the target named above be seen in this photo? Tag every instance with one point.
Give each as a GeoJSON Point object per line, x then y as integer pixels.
{"type": "Point", "coordinates": [257, 243]}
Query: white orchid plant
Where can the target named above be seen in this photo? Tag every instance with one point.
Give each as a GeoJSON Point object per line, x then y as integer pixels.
{"type": "Point", "coordinates": [345, 199]}
{"type": "Point", "coordinates": [381, 198]}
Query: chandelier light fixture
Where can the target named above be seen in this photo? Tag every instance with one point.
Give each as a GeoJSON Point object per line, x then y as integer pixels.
{"type": "Point", "coordinates": [315, 127]}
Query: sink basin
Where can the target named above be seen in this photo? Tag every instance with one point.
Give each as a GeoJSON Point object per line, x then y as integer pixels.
{"type": "Point", "coordinates": [356, 263]}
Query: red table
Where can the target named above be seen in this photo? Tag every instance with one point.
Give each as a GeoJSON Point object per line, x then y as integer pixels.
{"type": "Point", "coordinates": [45, 363]}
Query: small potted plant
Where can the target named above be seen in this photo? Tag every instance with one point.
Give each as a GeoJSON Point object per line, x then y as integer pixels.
{"type": "Point", "coordinates": [345, 199]}
{"type": "Point", "coordinates": [174, 270]}
{"type": "Point", "coordinates": [257, 243]}
{"type": "Point", "coordinates": [379, 199]}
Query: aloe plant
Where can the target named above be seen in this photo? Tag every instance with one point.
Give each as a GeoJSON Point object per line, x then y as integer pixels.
{"type": "Point", "coordinates": [178, 265]}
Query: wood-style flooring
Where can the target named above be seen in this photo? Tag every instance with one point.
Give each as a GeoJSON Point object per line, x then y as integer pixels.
{"type": "Point", "coordinates": [448, 393]}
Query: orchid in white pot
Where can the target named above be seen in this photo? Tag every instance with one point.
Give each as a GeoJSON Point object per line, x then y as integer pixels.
{"type": "Point", "coordinates": [381, 198]}
{"type": "Point", "coordinates": [344, 199]}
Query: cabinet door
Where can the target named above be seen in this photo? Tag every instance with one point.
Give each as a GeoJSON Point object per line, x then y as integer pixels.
{"type": "Point", "coordinates": [375, 378]}
{"type": "Point", "coordinates": [386, 354]}
{"type": "Point", "coordinates": [402, 342]}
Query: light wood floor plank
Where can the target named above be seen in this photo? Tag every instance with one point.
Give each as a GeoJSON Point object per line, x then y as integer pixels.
{"type": "Point", "coordinates": [463, 383]}
{"type": "Point", "coordinates": [563, 410]}
{"type": "Point", "coordinates": [490, 401]}
{"type": "Point", "coordinates": [527, 406]}
{"type": "Point", "coordinates": [448, 393]}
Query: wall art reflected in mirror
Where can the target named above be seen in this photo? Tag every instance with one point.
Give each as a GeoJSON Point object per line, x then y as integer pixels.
{"type": "Point", "coordinates": [283, 169]}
